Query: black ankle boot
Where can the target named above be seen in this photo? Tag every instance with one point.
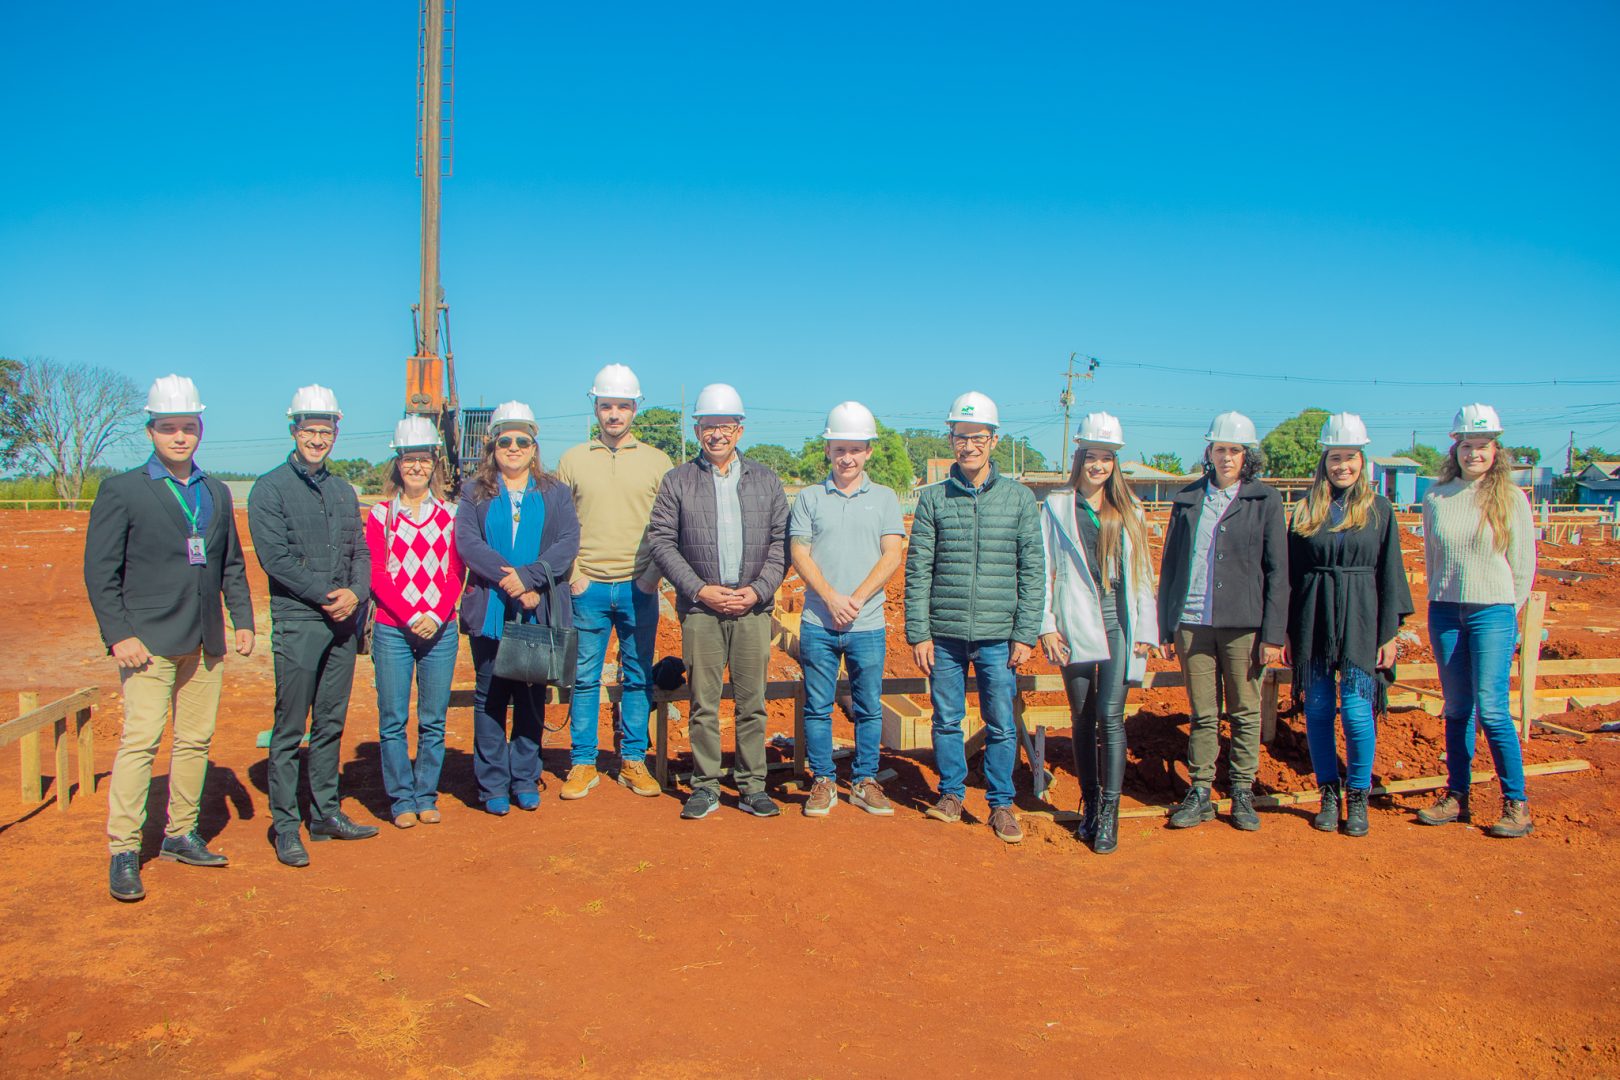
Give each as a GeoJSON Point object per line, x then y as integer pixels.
{"type": "Point", "coordinates": [1086, 831]}
{"type": "Point", "coordinates": [1107, 838]}
{"type": "Point", "coordinates": [1327, 818]}
{"type": "Point", "coordinates": [1355, 811]}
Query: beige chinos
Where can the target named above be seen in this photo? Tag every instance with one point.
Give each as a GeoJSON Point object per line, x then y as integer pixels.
{"type": "Point", "coordinates": [190, 687]}
{"type": "Point", "coordinates": [1210, 658]}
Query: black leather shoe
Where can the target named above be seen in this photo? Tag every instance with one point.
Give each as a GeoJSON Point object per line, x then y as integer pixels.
{"type": "Point", "coordinates": [191, 850]}
{"type": "Point", "coordinates": [1355, 812]}
{"type": "Point", "coordinates": [339, 827]}
{"type": "Point", "coordinates": [1327, 818]}
{"type": "Point", "coordinates": [1195, 809]}
{"type": "Point", "coordinates": [1107, 837]}
{"type": "Point", "coordinates": [290, 849]}
{"type": "Point", "coordinates": [1243, 815]}
{"type": "Point", "coordinates": [124, 877]}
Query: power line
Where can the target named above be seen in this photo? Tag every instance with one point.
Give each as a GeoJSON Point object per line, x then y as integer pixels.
{"type": "Point", "coordinates": [1326, 380]}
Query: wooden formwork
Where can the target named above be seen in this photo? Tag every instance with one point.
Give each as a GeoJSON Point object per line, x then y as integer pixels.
{"type": "Point", "coordinates": [34, 718]}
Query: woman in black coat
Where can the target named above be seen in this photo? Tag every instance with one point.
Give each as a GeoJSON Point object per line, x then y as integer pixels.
{"type": "Point", "coordinates": [1348, 596]}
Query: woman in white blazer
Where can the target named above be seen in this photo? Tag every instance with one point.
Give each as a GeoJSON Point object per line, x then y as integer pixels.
{"type": "Point", "coordinates": [1101, 621]}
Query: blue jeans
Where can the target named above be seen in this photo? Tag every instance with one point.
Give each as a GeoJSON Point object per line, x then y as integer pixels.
{"type": "Point", "coordinates": [1360, 731]}
{"type": "Point", "coordinates": [863, 652]}
{"type": "Point", "coordinates": [395, 653]}
{"type": "Point", "coordinates": [947, 690]}
{"type": "Point", "coordinates": [1473, 645]}
{"type": "Point", "coordinates": [604, 608]}
{"type": "Point", "coordinates": [504, 766]}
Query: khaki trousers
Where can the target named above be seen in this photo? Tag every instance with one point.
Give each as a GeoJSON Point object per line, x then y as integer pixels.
{"type": "Point", "coordinates": [1210, 659]}
{"type": "Point", "coordinates": [189, 686]}
{"type": "Point", "coordinates": [713, 644]}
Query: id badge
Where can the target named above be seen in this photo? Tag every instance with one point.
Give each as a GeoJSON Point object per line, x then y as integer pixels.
{"type": "Point", "coordinates": [196, 551]}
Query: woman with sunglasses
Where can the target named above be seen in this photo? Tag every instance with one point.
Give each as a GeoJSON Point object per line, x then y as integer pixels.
{"type": "Point", "coordinates": [518, 534]}
{"type": "Point", "coordinates": [415, 582]}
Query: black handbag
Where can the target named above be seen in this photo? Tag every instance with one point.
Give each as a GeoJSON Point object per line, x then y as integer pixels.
{"type": "Point", "coordinates": [539, 653]}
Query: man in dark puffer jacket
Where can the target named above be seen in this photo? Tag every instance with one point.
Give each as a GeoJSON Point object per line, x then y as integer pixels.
{"type": "Point", "coordinates": [975, 585]}
{"type": "Point", "coordinates": [719, 534]}
{"type": "Point", "coordinates": [307, 534]}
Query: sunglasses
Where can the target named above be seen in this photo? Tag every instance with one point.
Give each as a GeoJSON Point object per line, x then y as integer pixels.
{"type": "Point", "coordinates": [506, 442]}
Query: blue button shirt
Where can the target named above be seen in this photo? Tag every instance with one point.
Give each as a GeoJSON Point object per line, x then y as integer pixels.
{"type": "Point", "coordinates": [1200, 605]}
{"type": "Point", "coordinates": [195, 492]}
{"type": "Point", "coordinates": [728, 524]}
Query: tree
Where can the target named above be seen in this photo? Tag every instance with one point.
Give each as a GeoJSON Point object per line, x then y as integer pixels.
{"type": "Point", "coordinates": [1426, 456]}
{"type": "Point", "coordinates": [1524, 455]}
{"type": "Point", "coordinates": [364, 475]}
{"type": "Point", "coordinates": [1165, 462]}
{"type": "Point", "coordinates": [1292, 447]}
{"type": "Point", "coordinates": [1029, 459]}
{"type": "Point", "coordinates": [921, 445]}
{"type": "Point", "coordinates": [10, 398]}
{"type": "Point", "coordinates": [1583, 458]}
{"type": "Point", "coordinates": [776, 458]}
{"type": "Point", "coordinates": [661, 427]}
{"type": "Point", "coordinates": [889, 464]}
{"type": "Point", "coordinates": [65, 418]}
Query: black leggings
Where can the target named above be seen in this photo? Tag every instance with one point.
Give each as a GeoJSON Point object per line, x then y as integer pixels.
{"type": "Point", "coordinates": [1096, 692]}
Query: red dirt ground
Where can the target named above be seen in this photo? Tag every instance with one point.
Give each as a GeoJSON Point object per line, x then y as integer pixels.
{"type": "Point", "coordinates": [606, 938]}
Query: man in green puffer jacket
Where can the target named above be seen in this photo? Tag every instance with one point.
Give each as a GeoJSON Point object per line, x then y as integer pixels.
{"type": "Point", "coordinates": [974, 587]}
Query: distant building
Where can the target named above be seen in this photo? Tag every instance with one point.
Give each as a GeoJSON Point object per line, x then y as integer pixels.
{"type": "Point", "coordinates": [1600, 470]}
{"type": "Point", "coordinates": [1597, 492]}
{"type": "Point", "coordinates": [1396, 479]}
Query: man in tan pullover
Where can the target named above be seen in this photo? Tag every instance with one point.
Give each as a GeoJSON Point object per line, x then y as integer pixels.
{"type": "Point", "coordinates": [614, 478]}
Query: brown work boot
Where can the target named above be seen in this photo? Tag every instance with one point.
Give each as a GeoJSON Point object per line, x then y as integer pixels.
{"type": "Point", "coordinates": [1514, 822]}
{"type": "Point", "coordinates": [823, 797]}
{"type": "Point", "coordinates": [1450, 806]}
{"type": "Point", "coordinates": [635, 776]}
{"type": "Point", "coordinates": [948, 808]}
{"type": "Point", "coordinates": [1004, 823]}
{"type": "Point", "coordinates": [868, 795]}
{"type": "Point", "coordinates": [581, 778]}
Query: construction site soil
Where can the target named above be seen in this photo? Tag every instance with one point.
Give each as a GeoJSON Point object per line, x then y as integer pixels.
{"type": "Point", "coordinates": [604, 937]}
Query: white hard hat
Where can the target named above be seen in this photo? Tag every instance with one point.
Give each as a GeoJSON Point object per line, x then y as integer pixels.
{"type": "Point", "coordinates": [719, 399]}
{"type": "Point", "coordinates": [1343, 430]}
{"type": "Point", "coordinates": [415, 433]}
{"type": "Point", "coordinates": [1232, 427]}
{"type": "Point", "coordinates": [616, 381]}
{"type": "Point", "coordinates": [1476, 419]}
{"type": "Point", "coordinates": [850, 420]}
{"type": "Point", "coordinates": [512, 414]}
{"type": "Point", "coordinates": [1100, 429]}
{"type": "Point", "coordinates": [314, 400]}
{"type": "Point", "coordinates": [974, 408]}
{"type": "Point", "coordinates": [173, 395]}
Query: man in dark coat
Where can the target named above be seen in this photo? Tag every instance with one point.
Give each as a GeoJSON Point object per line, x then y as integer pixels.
{"type": "Point", "coordinates": [160, 551]}
{"type": "Point", "coordinates": [306, 530]}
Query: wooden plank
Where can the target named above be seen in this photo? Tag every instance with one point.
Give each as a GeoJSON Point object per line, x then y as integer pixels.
{"type": "Point", "coordinates": [61, 746]}
{"type": "Point", "coordinates": [38, 717]}
{"type": "Point", "coordinates": [1293, 798]}
{"type": "Point", "coordinates": [1529, 655]}
{"type": "Point", "coordinates": [1268, 706]}
{"type": "Point", "coordinates": [33, 786]}
{"type": "Point", "coordinates": [87, 753]}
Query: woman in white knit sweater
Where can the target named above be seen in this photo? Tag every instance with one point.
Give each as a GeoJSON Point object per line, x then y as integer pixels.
{"type": "Point", "coordinates": [1480, 553]}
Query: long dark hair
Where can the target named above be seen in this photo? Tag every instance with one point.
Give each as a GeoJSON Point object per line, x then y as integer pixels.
{"type": "Point", "coordinates": [1254, 462]}
{"type": "Point", "coordinates": [487, 477]}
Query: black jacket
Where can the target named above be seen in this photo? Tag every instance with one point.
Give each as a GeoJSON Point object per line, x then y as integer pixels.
{"type": "Point", "coordinates": [139, 579]}
{"type": "Point", "coordinates": [1348, 596]}
{"type": "Point", "coordinates": [310, 539]}
{"type": "Point", "coordinates": [684, 539]}
{"type": "Point", "coordinates": [1251, 562]}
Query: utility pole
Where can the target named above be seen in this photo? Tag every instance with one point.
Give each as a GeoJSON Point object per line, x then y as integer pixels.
{"type": "Point", "coordinates": [1569, 458]}
{"type": "Point", "coordinates": [1067, 397]}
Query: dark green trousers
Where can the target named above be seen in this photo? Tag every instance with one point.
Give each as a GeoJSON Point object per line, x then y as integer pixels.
{"type": "Point", "coordinates": [712, 644]}
{"type": "Point", "coordinates": [1211, 660]}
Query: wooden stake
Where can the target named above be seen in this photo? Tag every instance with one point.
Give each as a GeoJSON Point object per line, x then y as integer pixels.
{"type": "Point", "coordinates": [1529, 656]}
{"type": "Point", "coordinates": [798, 734]}
{"type": "Point", "coordinates": [661, 744]}
{"type": "Point", "coordinates": [87, 753]}
{"type": "Point", "coordinates": [1268, 706]}
{"type": "Point", "coordinates": [60, 733]}
{"type": "Point", "coordinates": [33, 786]}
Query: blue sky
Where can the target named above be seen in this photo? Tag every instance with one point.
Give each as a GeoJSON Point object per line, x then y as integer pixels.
{"type": "Point", "coordinates": [892, 203]}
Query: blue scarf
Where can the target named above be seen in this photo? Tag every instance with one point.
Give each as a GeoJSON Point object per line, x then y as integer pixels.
{"type": "Point", "coordinates": [521, 551]}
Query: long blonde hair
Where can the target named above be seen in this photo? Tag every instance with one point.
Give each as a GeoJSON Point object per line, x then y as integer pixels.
{"type": "Point", "coordinates": [1312, 513]}
{"type": "Point", "coordinates": [1121, 515]}
{"type": "Point", "coordinates": [394, 483]}
{"type": "Point", "coordinates": [1495, 495]}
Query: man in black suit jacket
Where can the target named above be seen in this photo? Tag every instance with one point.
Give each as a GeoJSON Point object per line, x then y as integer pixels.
{"type": "Point", "coordinates": [161, 549]}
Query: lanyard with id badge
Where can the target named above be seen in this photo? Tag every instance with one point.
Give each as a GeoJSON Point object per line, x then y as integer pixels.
{"type": "Point", "coordinates": [196, 546]}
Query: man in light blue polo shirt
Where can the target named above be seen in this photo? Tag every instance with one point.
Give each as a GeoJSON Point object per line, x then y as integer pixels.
{"type": "Point", "coordinates": [845, 535]}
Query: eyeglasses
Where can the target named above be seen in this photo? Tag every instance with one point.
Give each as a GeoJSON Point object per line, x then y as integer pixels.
{"type": "Point", "coordinates": [506, 442]}
{"type": "Point", "coordinates": [972, 440]}
{"type": "Point", "coordinates": [416, 463]}
{"type": "Point", "coordinates": [723, 430]}
{"type": "Point", "coordinates": [315, 433]}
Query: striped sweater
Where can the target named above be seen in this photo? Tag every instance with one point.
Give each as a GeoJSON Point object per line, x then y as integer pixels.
{"type": "Point", "coordinates": [1459, 549]}
{"type": "Point", "coordinates": [415, 569]}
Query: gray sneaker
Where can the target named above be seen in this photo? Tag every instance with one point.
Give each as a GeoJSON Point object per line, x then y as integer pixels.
{"type": "Point", "coordinates": [759, 804]}
{"type": "Point", "coordinates": [1004, 823]}
{"type": "Point", "coordinates": [823, 797]}
{"type": "Point", "coordinates": [700, 804]}
{"type": "Point", "coordinates": [948, 808]}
